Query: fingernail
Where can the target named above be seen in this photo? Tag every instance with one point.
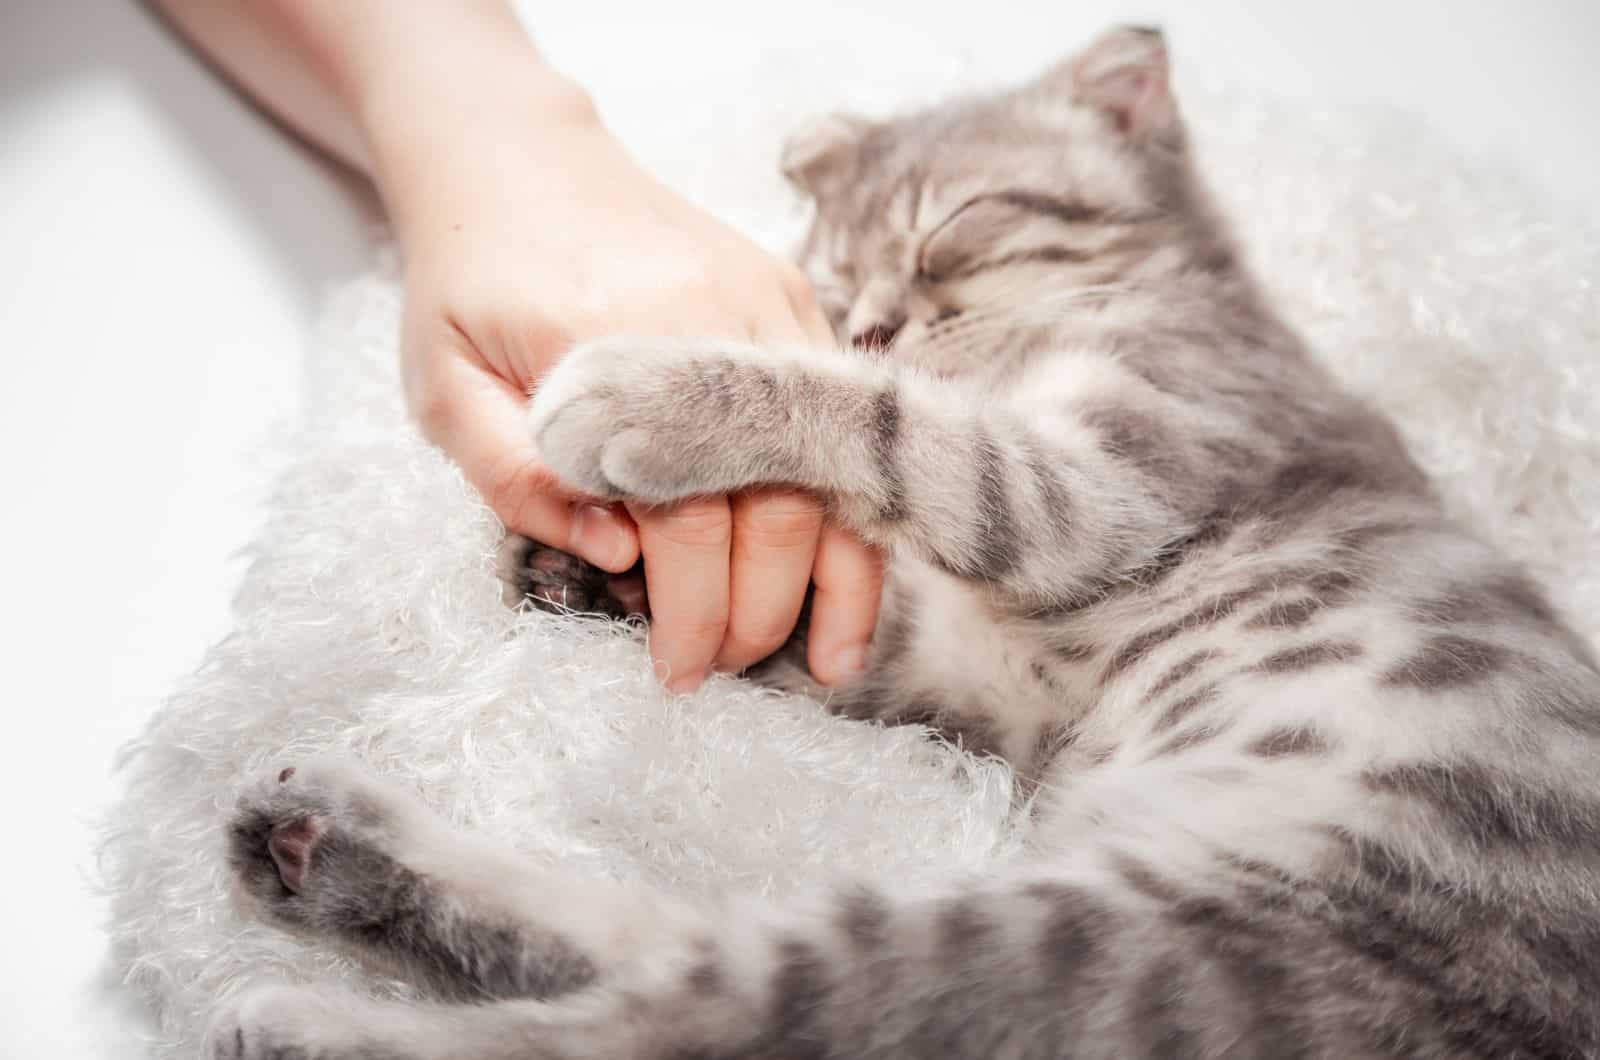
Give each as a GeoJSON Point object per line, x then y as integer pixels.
{"type": "Point", "coordinates": [598, 536]}
{"type": "Point", "coordinates": [848, 662]}
{"type": "Point", "coordinates": [686, 683]}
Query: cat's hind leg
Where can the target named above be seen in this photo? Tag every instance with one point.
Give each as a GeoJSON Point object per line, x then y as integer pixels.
{"type": "Point", "coordinates": [325, 848]}
{"type": "Point", "coordinates": [282, 1022]}
{"type": "Point", "coordinates": [1163, 946]}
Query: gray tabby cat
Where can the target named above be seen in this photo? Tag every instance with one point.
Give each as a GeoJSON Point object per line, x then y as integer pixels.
{"type": "Point", "coordinates": [1318, 768]}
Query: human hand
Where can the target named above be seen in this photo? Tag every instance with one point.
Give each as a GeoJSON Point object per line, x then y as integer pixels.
{"type": "Point", "coordinates": [526, 229]}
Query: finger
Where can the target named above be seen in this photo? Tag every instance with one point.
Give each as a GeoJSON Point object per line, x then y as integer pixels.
{"type": "Point", "coordinates": [803, 303]}
{"type": "Point", "coordinates": [844, 610]}
{"type": "Point", "coordinates": [774, 546]}
{"type": "Point", "coordinates": [686, 550]}
{"type": "Point", "coordinates": [480, 421]}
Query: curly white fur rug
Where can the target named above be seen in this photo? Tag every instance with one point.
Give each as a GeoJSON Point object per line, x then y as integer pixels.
{"type": "Point", "coordinates": [370, 622]}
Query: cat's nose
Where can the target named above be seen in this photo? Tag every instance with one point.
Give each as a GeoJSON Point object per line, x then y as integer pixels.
{"type": "Point", "coordinates": [878, 336]}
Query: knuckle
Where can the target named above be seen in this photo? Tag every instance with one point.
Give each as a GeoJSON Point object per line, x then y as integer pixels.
{"type": "Point", "coordinates": [432, 406]}
{"type": "Point", "coordinates": [505, 494]}
{"type": "Point", "coordinates": [698, 630]}
{"type": "Point", "coordinates": [850, 567]}
{"type": "Point", "coordinates": [696, 524]}
{"type": "Point", "coordinates": [756, 636]}
{"type": "Point", "coordinates": [784, 522]}
{"type": "Point", "coordinates": [509, 486]}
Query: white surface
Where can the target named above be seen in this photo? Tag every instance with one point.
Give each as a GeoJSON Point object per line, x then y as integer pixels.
{"type": "Point", "coordinates": [163, 255]}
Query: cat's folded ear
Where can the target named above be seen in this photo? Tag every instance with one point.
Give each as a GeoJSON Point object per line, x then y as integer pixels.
{"type": "Point", "coordinates": [819, 157]}
{"type": "Point", "coordinates": [1124, 74]}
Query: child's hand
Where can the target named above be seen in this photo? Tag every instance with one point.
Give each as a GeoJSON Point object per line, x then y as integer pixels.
{"type": "Point", "coordinates": [526, 228]}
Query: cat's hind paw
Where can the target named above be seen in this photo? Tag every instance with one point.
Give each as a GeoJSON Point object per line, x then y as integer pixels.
{"type": "Point", "coordinates": [552, 580]}
{"type": "Point", "coordinates": [318, 845]}
{"type": "Point", "coordinates": [277, 1022]}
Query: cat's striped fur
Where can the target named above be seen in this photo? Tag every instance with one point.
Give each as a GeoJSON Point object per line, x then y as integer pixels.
{"type": "Point", "coordinates": [1317, 768]}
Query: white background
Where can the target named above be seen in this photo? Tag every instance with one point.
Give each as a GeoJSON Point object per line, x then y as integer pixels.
{"type": "Point", "coordinates": [162, 255]}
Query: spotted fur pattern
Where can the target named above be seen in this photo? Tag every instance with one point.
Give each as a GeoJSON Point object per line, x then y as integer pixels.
{"type": "Point", "coordinates": [1315, 766]}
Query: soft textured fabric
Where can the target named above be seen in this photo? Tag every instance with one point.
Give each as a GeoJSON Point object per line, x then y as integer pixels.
{"type": "Point", "coordinates": [370, 622]}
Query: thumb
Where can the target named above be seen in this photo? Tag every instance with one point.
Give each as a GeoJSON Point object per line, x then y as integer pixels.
{"type": "Point", "coordinates": [807, 312]}
{"type": "Point", "coordinates": [480, 421]}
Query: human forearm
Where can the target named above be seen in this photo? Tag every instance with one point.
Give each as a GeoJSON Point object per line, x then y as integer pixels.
{"type": "Point", "coordinates": [263, 52]}
{"type": "Point", "coordinates": [363, 79]}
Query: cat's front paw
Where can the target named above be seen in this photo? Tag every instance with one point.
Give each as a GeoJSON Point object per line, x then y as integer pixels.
{"type": "Point", "coordinates": [318, 845]}
{"type": "Point", "coordinates": [656, 420]}
{"type": "Point", "coordinates": [274, 1023]}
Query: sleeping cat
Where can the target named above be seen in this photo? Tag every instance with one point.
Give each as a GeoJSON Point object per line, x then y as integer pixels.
{"type": "Point", "coordinates": [1316, 769]}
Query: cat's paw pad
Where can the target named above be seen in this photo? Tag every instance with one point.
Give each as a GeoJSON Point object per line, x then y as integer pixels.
{"type": "Point", "coordinates": [312, 843]}
{"type": "Point", "coordinates": [271, 1023]}
{"type": "Point", "coordinates": [290, 845]}
{"type": "Point", "coordinates": [559, 582]}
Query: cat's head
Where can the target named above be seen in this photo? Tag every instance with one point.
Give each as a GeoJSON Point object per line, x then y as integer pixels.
{"type": "Point", "coordinates": [1077, 179]}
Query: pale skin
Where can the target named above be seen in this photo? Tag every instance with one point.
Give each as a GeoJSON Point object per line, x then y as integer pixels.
{"type": "Point", "coordinates": [526, 228]}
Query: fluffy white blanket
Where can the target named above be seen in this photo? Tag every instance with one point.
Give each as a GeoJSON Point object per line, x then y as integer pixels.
{"type": "Point", "coordinates": [370, 622]}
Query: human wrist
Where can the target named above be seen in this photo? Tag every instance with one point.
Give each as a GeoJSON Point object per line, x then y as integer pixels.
{"type": "Point", "coordinates": [454, 136]}
{"type": "Point", "coordinates": [417, 74]}
{"type": "Point", "coordinates": [442, 65]}
{"type": "Point", "coordinates": [433, 97]}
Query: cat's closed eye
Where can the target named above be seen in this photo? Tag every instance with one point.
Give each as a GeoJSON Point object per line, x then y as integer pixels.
{"type": "Point", "coordinates": [994, 231]}
{"type": "Point", "coordinates": [955, 242]}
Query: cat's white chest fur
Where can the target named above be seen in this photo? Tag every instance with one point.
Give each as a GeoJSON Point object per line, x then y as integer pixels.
{"type": "Point", "coordinates": [957, 624]}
